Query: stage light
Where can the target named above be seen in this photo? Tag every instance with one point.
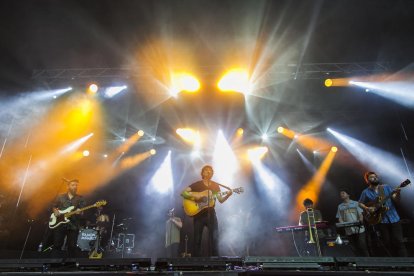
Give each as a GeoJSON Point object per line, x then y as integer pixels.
{"type": "Point", "coordinates": [105, 155]}
{"type": "Point", "coordinates": [334, 149]}
{"type": "Point", "coordinates": [123, 139]}
{"type": "Point", "coordinates": [140, 133]}
{"type": "Point", "coordinates": [189, 135]}
{"type": "Point", "coordinates": [93, 88]}
{"type": "Point", "coordinates": [153, 151]}
{"type": "Point", "coordinates": [328, 82]}
{"type": "Point", "coordinates": [183, 82]}
{"type": "Point", "coordinates": [162, 181]}
{"type": "Point", "coordinates": [225, 162]}
{"type": "Point", "coordinates": [392, 166]}
{"type": "Point", "coordinates": [257, 153]}
{"type": "Point", "coordinates": [86, 153]}
{"type": "Point", "coordinates": [236, 80]}
{"type": "Point", "coordinates": [114, 90]}
{"type": "Point", "coordinates": [367, 90]}
{"type": "Point", "coordinates": [280, 129]}
{"type": "Point", "coordinates": [315, 152]}
{"type": "Point", "coordinates": [240, 131]}
{"type": "Point", "coordinates": [265, 137]}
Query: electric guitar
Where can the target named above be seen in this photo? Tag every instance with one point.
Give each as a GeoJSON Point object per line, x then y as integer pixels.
{"type": "Point", "coordinates": [375, 217]}
{"type": "Point", "coordinates": [64, 215]}
{"type": "Point", "coordinates": [192, 208]}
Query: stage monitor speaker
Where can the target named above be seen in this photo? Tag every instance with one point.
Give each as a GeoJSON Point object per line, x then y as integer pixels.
{"type": "Point", "coordinates": [132, 264]}
{"type": "Point", "coordinates": [377, 263]}
{"type": "Point", "coordinates": [29, 265]}
{"type": "Point", "coordinates": [199, 263]}
{"type": "Point", "coordinates": [305, 263]}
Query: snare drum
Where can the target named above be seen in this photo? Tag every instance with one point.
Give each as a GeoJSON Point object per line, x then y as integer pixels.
{"type": "Point", "coordinates": [86, 239]}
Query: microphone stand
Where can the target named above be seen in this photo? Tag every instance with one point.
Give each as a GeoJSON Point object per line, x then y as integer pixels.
{"type": "Point", "coordinates": [27, 238]}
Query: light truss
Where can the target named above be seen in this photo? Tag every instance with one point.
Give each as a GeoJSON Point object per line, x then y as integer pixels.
{"type": "Point", "coordinates": [278, 71]}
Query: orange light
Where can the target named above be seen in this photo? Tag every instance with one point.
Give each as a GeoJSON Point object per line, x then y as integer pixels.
{"type": "Point", "coordinates": [240, 131]}
{"type": "Point", "coordinates": [280, 129]}
{"type": "Point", "coordinates": [334, 149]}
{"type": "Point", "coordinates": [235, 80]}
{"type": "Point", "coordinates": [328, 82]}
{"type": "Point", "coordinates": [153, 151]}
{"type": "Point", "coordinates": [140, 133]}
{"type": "Point", "coordinates": [86, 153]}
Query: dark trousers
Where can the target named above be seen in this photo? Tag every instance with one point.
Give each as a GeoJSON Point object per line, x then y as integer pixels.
{"type": "Point", "coordinates": [392, 237]}
{"type": "Point", "coordinates": [209, 220]}
{"type": "Point", "coordinates": [172, 250]}
{"type": "Point", "coordinates": [59, 235]}
{"type": "Point", "coordinates": [358, 244]}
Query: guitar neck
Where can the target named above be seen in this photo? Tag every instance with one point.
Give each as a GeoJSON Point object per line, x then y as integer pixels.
{"type": "Point", "coordinates": [80, 210]}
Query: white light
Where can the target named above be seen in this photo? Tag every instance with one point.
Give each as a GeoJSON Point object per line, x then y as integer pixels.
{"type": "Point", "coordinates": [265, 137]}
{"type": "Point", "coordinates": [114, 90]}
{"type": "Point", "coordinates": [123, 139]}
{"type": "Point", "coordinates": [105, 155]}
{"type": "Point", "coordinates": [374, 158]}
{"type": "Point", "coordinates": [224, 160]}
{"type": "Point", "coordinates": [162, 180]}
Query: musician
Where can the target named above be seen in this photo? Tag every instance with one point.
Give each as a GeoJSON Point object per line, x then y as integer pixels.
{"type": "Point", "coordinates": [390, 226]}
{"type": "Point", "coordinates": [172, 234]}
{"type": "Point", "coordinates": [206, 217]}
{"type": "Point", "coordinates": [102, 225]}
{"type": "Point", "coordinates": [69, 230]}
{"type": "Point", "coordinates": [312, 216]}
{"type": "Point", "coordinates": [304, 216]}
{"type": "Point", "coordinates": [349, 211]}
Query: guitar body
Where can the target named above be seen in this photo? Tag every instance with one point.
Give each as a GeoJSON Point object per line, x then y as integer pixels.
{"type": "Point", "coordinates": [62, 219]}
{"type": "Point", "coordinates": [192, 208]}
{"type": "Point", "coordinates": [55, 221]}
{"type": "Point", "coordinates": [375, 217]}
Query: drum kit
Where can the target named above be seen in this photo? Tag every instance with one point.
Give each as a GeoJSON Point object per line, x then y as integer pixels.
{"type": "Point", "coordinates": [97, 238]}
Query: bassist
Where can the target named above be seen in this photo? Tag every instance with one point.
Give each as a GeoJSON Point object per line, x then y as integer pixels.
{"type": "Point", "coordinates": [390, 227]}
{"type": "Point", "coordinates": [206, 217]}
{"type": "Point", "coordinates": [69, 230]}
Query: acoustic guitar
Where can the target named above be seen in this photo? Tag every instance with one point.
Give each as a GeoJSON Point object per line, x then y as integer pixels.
{"type": "Point", "coordinates": [192, 207]}
{"type": "Point", "coordinates": [380, 209]}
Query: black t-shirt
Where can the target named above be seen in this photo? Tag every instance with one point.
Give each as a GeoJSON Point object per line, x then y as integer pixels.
{"type": "Point", "coordinates": [62, 202]}
{"type": "Point", "coordinates": [200, 187]}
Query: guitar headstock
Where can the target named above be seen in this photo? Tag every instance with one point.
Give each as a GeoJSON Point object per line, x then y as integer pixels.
{"type": "Point", "coordinates": [100, 203]}
{"type": "Point", "coordinates": [405, 183]}
{"type": "Point", "coordinates": [238, 190]}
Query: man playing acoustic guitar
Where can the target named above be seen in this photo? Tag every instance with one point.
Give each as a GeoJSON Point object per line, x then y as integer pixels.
{"type": "Point", "coordinates": [389, 224]}
{"type": "Point", "coordinates": [206, 217]}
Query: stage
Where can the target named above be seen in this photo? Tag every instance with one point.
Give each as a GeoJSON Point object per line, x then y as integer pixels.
{"type": "Point", "coordinates": [251, 265]}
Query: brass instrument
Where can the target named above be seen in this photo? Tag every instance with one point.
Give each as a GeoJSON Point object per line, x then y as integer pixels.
{"type": "Point", "coordinates": [312, 225]}
{"type": "Point", "coordinates": [311, 216]}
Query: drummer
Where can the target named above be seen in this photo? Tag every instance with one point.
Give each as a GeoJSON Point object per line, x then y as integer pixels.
{"type": "Point", "coordinates": [102, 225]}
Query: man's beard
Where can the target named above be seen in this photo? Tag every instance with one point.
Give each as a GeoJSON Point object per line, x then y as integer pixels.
{"type": "Point", "coordinates": [375, 182]}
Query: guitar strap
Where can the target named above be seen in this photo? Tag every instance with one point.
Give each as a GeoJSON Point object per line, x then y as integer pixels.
{"type": "Point", "coordinates": [381, 192]}
{"type": "Point", "coordinates": [224, 186]}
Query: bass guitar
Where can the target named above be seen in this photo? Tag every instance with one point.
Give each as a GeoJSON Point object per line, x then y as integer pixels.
{"type": "Point", "coordinates": [192, 207]}
{"type": "Point", "coordinates": [375, 216]}
{"type": "Point", "coordinates": [64, 215]}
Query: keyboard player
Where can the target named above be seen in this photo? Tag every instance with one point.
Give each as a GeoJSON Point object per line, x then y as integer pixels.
{"type": "Point", "coordinates": [350, 212]}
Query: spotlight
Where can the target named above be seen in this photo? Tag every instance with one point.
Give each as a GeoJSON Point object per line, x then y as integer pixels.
{"type": "Point", "coordinates": [367, 90]}
{"type": "Point", "coordinates": [280, 129]}
{"type": "Point", "coordinates": [114, 90]}
{"type": "Point", "coordinates": [140, 133]}
{"type": "Point", "coordinates": [334, 149]}
{"type": "Point", "coordinates": [153, 151]}
{"type": "Point", "coordinates": [105, 155]}
{"type": "Point", "coordinates": [315, 152]}
{"type": "Point", "coordinates": [235, 80]}
{"type": "Point", "coordinates": [265, 137]}
{"type": "Point", "coordinates": [85, 153]}
{"type": "Point", "coordinates": [93, 88]}
{"type": "Point", "coordinates": [240, 131]}
{"type": "Point", "coordinates": [123, 139]}
{"type": "Point", "coordinates": [328, 82]}
{"type": "Point", "coordinates": [183, 82]}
